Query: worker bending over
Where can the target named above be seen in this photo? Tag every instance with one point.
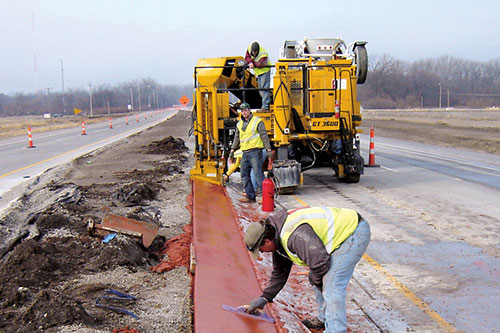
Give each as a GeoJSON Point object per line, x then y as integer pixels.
{"type": "Point", "coordinates": [330, 241]}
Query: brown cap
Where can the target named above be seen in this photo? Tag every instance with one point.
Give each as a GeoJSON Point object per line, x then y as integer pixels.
{"type": "Point", "coordinates": [253, 238]}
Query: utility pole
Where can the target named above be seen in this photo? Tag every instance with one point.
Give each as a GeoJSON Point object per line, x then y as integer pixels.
{"type": "Point", "coordinates": [439, 94]}
{"type": "Point", "coordinates": [90, 92]}
{"type": "Point", "coordinates": [48, 99]}
{"type": "Point", "coordinates": [139, 90]}
{"type": "Point", "coordinates": [132, 99]}
{"type": "Point", "coordinates": [62, 81]}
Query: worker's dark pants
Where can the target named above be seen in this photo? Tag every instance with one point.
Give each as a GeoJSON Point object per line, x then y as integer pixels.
{"type": "Point", "coordinates": [331, 300]}
{"type": "Point", "coordinates": [251, 159]}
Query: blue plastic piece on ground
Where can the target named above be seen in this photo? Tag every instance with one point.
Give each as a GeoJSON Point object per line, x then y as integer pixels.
{"type": "Point", "coordinates": [108, 238]}
{"type": "Point", "coordinates": [119, 296]}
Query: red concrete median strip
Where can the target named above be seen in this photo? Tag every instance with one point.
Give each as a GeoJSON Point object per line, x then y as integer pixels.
{"type": "Point", "coordinates": [224, 273]}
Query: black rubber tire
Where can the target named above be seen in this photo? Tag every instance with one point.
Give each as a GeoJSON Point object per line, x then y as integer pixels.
{"type": "Point", "coordinates": [352, 178]}
{"type": "Point", "coordinates": [361, 62]}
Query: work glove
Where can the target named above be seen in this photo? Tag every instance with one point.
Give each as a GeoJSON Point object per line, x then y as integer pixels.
{"type": "Point", "coordinates": [256, 305]}
{"type": "Point", "coordinates": [314, 281]}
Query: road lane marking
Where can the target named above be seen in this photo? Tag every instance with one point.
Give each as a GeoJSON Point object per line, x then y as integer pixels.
{"type": "Point", "coordinates": [125, 134]}
{"type": "Point", "coordinates": [440, 157]}
{"type": "Point", "coordinates": [51, 158]}
{"type": "Point", "coordinates": [402, 288]}
{"type": "Point", "coordinates": [386, 168]}
{"type": "Point", "coordinates": [409, 294]}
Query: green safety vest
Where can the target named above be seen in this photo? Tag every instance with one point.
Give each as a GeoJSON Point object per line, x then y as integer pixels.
{"type": "Point", "coordinates": [250, 138]}
{"type": "Point", "coordinates": [262, 53]}
{"type": "Point", "coordinates": [332, 225]}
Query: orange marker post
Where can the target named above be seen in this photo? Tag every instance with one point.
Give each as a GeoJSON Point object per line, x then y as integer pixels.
{"type": "Point", "coordinates": [371, 155]}
{"type": "Point", "coordinates": [83, 128]}
{"type": "Point", "coordinates": [30, 139]}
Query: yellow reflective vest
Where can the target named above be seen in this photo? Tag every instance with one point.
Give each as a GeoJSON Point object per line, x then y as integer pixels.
{"type": "Point", "coordinates": [332, 225]}
{"type": "Point", "coordinates": [250, 138]}
{"type": "Point", "coordinates": [262, 53]}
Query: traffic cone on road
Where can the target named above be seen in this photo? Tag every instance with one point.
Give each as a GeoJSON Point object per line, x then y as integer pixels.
{"type": "Point", "coordinates": [126, 120]}
{"type": "Point", "coordinates": [371, 155]}
{"type": "Point", "coordinates": [30, 140]}
{"type": "Point", "coordinates": [83, 128]}
{"type": "Point", "coordinates": [110, 123]}
{"type": "Point", "coordinates": [136, 118]}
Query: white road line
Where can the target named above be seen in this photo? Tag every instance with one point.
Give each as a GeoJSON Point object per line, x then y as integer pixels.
{"type": "Point", "coordinates": [449, 159]}
{"type": "Point", "coordinates": [386, 168]}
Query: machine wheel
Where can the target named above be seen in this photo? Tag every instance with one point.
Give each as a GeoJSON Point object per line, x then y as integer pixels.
{"type": "Point", "coordinates": [361, 63]}
{"type": "Point", "coordinates": [352, 178]}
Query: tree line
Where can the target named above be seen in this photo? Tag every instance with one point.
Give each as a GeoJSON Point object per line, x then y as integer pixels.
{"type": "Point", "coordinates": [145, 94]}
{"type": "Point", "coordinates": [391, 83]}
{"type": "Point", "coordinates": [446, 80]}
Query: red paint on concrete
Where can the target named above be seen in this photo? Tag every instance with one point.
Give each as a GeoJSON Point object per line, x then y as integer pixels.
{"type": "Point", "coordinates": [224, 273]}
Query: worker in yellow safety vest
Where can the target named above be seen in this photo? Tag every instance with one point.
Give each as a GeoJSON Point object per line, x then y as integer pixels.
{"type": "Point", "coordinates": [250, 137]}
{"type": "Point", "coordinates": [330, 241]}
{"type": "Point", "coordinates": [257, 59]}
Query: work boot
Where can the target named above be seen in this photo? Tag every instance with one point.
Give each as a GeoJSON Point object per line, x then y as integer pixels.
{"type": "Point", "coordinates": [313, 323]}
{"type": "Point", "coordinates": [246, 200]}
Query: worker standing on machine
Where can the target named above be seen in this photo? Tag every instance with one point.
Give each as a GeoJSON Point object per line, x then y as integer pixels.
{"type": "Point", "coordinates": [257, 58]}
{"type": "Point", "coordinates": [250, 137]}
{"type": "Point", "coordinates": [330, 241]}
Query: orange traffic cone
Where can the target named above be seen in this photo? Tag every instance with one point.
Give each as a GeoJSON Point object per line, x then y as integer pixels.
{"type": "Point", "coordinates": [371, 155]}
{"type": "Point", "coordinates": [137, 118]}
{"type": "Point", "coordinates": [110, 123]}
{"type": "Point", "coordinates": [126, 120]}
{"type": "Point", "coordinates": [30, 140]}
{"type": "Point", "coordinates": [83, 128]}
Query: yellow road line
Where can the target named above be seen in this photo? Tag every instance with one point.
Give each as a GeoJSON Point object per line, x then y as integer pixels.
{"type": "Point", "coordinates": [300, 201]}
{"type": "Point", "coordinates": [405, 290]}
{"type": "Point", "coordinates": [69, 152]}
{"type": "Point", "coordinates": [414, 298]}
{"type": "Point", "coordinates": [56, 156]}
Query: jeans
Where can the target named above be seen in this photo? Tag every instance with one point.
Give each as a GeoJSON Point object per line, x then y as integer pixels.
{"type": "Point", "coordinates": [251, 160]}
{"type": "Point", "coordinates": [264, 83]}
{"type": "Point", "coordinates": [252, 174]}
{"type": "Point", "coordinates": [331, 300]}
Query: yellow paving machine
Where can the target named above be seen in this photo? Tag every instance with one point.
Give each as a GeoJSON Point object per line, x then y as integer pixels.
{"type": "Point", "coordinates": [314, 115]}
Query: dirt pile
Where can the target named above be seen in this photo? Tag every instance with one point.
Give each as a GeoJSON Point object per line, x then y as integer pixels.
{"type": "Point", "coordinates": [177, 250]}
{"type": "Point", "coordinates": [51, 270]}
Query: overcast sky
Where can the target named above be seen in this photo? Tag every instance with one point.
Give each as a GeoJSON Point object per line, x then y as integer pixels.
{"type": "Point", "coordinates": [113, 41]}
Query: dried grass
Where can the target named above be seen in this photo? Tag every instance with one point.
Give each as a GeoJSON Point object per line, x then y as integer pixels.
{"type": "Point", "coordinates": [16, 126]}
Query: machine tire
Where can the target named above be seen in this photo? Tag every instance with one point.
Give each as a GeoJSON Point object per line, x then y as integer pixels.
{"type": "Point", "coordinates": [352, 178]}
{"type": "Point", "coordinates": [361, 63]}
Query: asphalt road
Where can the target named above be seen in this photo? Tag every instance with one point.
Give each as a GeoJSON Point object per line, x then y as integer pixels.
{"type": "Point", "coordinates": [18, 163]}
{"type": "Point", "coordinates": [433, 263]}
